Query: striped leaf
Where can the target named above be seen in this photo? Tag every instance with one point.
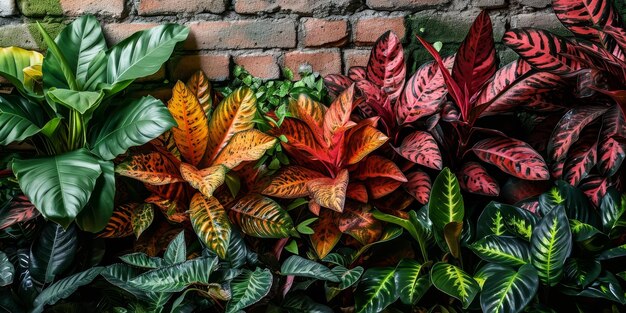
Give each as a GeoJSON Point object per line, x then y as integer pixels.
{"type": "Point", "coordinates": [418, 185]}
{"type": "Point", "coordinates": [505, 220]}
{"type": "Point", "coordinates": [326, 235]}
{"type": "Point", "coordinates": [211, 224]}
{"type": "Point", "coordinates": [206, 180]}
{"type": "Point", "coordinates": [337, 117]}
{"type": "Point", "coordinates": [446, 203]}
{"type": "Point", "coordinates": [382, 186]}
{"type": "Point", "coordinates": [330, 192]}
{"type": "Point", "coordinates": [337, 83]}
{"type": "Point", "coordinates": [581, 272]}
{"type": "Point", "coordinates": [569, 128]}
{"type": "Point", "coordinates": [358, 222]}
{"type": "Point", "coordinates": [347, 278]}
{"type": "Point", "coordinates": [19, 210]}
{"type": "Point", "coordinates": [358, 192]}
{"type": "Point", "coordinates": [509, 291]}
{"type": "Point", "coordinates": [376, 166]}
{"type": "Point", "coordinates": [64, 288]}
{"type": "Point", "coordinates": [361, 142]}
{"type": "Point", "coordinates": [357, 73]}
{"type": "Point", "coordinates": [120, 224]}
{"type": "Point", "coordinates": [249, 145]}
{"type": "Point", "coordinates": [386, 67]}
{"type": "Point", "coordinates": [513, 157]}
{"type": "Point", "coordinates": [584, 18]}
{"type": "Point", "coordinates": [454, 282]}
{"type": "Point", "coordinates": [173, 210]}
{"type": "Point", "coordinates": [175, 278]}
{"type": "Point", "coordinates": [582, 157]}
{"type": "Point", "coordinates": [249, 288]}
{"type": "Point", "coordinates": [412, 282]}
{"type": "Point", "coordinates": [421, 148]}
{"type": "Point", "coordinates": [595, 188]}
{"type": "Point", "coordinates": [474, 178]}
{"type": "Point", "coordinates": [199, 86]}
{"type": "Point", "coordinates": [298, 266]}
{"type": "Point", "coordinates": [376, 290]}
{"type": "Point", "coordinates": [192, 131]}
{"type": "Point", "coordinates": [141, 218]}
{"type": "Point", "coordinates": [261, 217]}
{"type": "Point", "coordinates": [290, 182]}
{"type": "Point", "coordinates": [503, 250]}
{"type": "Point", "coordinates": [309, 111]}
{"type": "Point", "coordinates": [152, 168]}
{"type": "Point", "coordinates": [550, 245]}
{"type": "Point", "coordinates": [611, 152]}
{"type": "Point", "coordinates": [142, 260]}
{"type": "Point", "coordinates": [234, 114]}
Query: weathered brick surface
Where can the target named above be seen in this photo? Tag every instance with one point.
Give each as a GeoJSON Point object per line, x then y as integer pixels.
{"type": "Point", "coordinates": [355, 57]}
{"type": "Point", "coordinates": [17, 35]}
{"type": "Point", "coordinates": [7, 8]}
{"type": "Point", "coordinates": [114, 33]}
{"type": "Point", "coordinates": [394, 5]}
{"type": "Point", "coordinates": [102, 7]}
{"type": "Point", "coordinates": [263, 65]}
{"type": "Point", "coordinates": [305, 7]}
{"type": "Point", "coordinates": [491, 4]}
{"type": "Point", "coordinates": [168, 7]}
{"type": "Point", "coordinates": [215, 66]}
{"type": "Point", "coordinates": [547, 21]}
{"type": "Point", "coordinates": [367, 29]}
{"type": "Point", "coordinates": [535, 3]}
{"type": "Point", "coordinates": [242, 34]}
{"type": "Point", "coordinates": [323, 61]}
{"type": "Point", "coordinates": [323, 32]}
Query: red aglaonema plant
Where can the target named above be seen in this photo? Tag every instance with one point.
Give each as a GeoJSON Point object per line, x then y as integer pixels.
{"type": "Point", "coordinates": [587, 146]}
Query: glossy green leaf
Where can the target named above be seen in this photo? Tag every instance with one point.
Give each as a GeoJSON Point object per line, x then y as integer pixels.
{"type": "Point", "coordinates": [175, 278]}
{"type": "Point", "coordinates": [488, 270]}
{"type": "Point", "coordinates": [502, 249]}
{"type": "Point", "coordinates": [414, 226]}
{"type": "Point", "coordinates": [299, 303]}
{"type": "Point", "coordinates": [142, 218]}
{"type": "Point", "coordinates": [571, 198]}
{"type": "Point", "coordinates": [176, 251]}
{"type": "Point", "coordinates": [64, 288]}
{"type": "Point", "coordinates": [612, 209]}
{"type": "Point", "coordinates": [143, 53]}
{"type": "Point", "coordinates": [7, 271]}
{"type": "Point", "coordinates": [510, 291]}
{"type": "Point", "coordinates": [55, 63]}
{"type": "Point", "coordinates": [238, 252]}
{"type": "Point", "coordinates": [120, 275]}
{"type": "Point", "coordinates": [249, 288]}
{"type": "Point", "coordinates": [13, 61]}
{"type": "Point", "coordinates": [587, 236]}
{"type": "Point", "coordinates": [581, 272]}
{"type": "Point", "coordinates": [347, 278]}
{"type": "Point", "coordinates": [446, 203]}
{"type": "Point", "coordinates": [98, 211]}
{"type": "Point", "coordinates": [505, 220]}
{"type": "Point", "coordinates": [136, 123]}
{"type": "Point", "coordinates": [612, 253]}
{"type": "Point", "coordinates": [59, 186]}
{"type": "Point", "coordinates": [550, 245]}
{"type": "Point", "coordinates": [376, 290]}
{"type": "Point", "coordinates": [412, 283]}
{"type": "Point", "coordinates": [606, 286]}
{"type": "Point", "coordinates": [53, 252]}
{"type": "Point", "coordinates": [455, 282]}
{"type": "Point", "coordinates": [81, 101]}
{"type": "Point", "coordinates": [19, 119]}
{"type": "Point", "coordinates": [140, 259]}
{"type": "Point", "coordinates": [298, 266]}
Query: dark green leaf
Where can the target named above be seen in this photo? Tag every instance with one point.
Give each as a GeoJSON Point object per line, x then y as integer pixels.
{"type": "Point", "coordinates": [510, 291]}
{"type": "Point", "coordinates": [300, 303]}
{"type": "Point", "coordinates": [412, 283]}
{"type": "Point", "coordinates": [446, 203]}
{"type": "Point", "coordinates": [347, 277]}
{"type": "Point", "coordinates": [175, 278]}
{"type": "Point", "coordinates": [454, 282]}
{"type": "Point", "coordinates": [64, 288]}
{"type": "Point", "coordinates": [611, 209]}
{"type": "Point", "coordinates": [587, 236]}
{"type": "Point", "coordinates": [248, 288]}
{"type": "Point", "coordinates": [501, 249]}
{"type": "Point", "coordinates": [7, 271]}
{"type": "Point", "coordinates": [298, 266]}
{"type": "Point", "coordinates": [177, 250]}
{"type": "Point", "coordinates": [19, 119]}
{"type": "Point", "coordinates": [53, 252]}
{"type": "Point", "coordinates": [581, 272]}
{"type": "Point", "coordinates": [606, 286]}
{"type": "Point", "coordinates": [612, 253]}
{"type": "Point", "coordinates": [140, 259]}
{"type": "Point", "coordinates": [550, 245]}
{"type": "Point", "coordinates": [502, 220]}
{"type": "Point", "coordinates": [81, 101]}
{"type": "Point", "coordinates": [376, 290]}
{"type": "Point", "coordinates": [98, 211]}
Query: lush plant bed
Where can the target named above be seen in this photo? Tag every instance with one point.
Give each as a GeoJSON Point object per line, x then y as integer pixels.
{"type": "Point", "coordinates": [465, 186]}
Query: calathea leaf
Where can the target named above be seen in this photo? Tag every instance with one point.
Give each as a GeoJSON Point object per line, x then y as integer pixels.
{"type": "Point", "coordinates": [376, 290]}
{"type": "Point", "coordinates": [503, 220]}
{"type": "Point", "coordinates": [210, 222]}
{"type": "Point", "coordinates": [550, 245]}
{"type": "Point", "coordinates": [18, 210]}
{"type": "Point", "coordinates": [347, 278]}
{"type": "Point", "coordinates": [135, 124]}
{"type": "Point", "coordinates": [248, 288]}
{"type": "Point", "coordinates": [454, 282]}
{"type": "Point", "coordinates": [504, 250]}
{"type": "Point", "coordinates": [298, 302]}
{"type": "Point", "coordinates": [261, 217]}
{"type": "Point", "coordinates": [192, 131]}
{"type": "Point", "coordinates": [612, 253]}
{"type": "Point", "coordinates": [513, 157]}
{"type": "Point", "coordinates": [488, 270]}
{"type": "Point", "coordinates": [509, 290]}
{"type": "Point", "coordinates": [606, 286]}
{"type": "Point", "coordinates": [611, 152]}
{"type": "Point", "coordinates": [582, 157]}
{"type": "Point", "coordinates": [581, 272]}
{"type": "Point", "coordinates": [446, 203]}
{"type": "Point", "coordinates": [588, 237]}
{"type": "Point", "coordinates": [59, 186]}
{"type": "Point", "coordinates": [412, 283]}
{"type": "Point", "coordinates": [299, 266]}
{"type": "Point", "coordinates": [570, 127]}
{"type": "Point", "coordinates": [19, 119]}
{"type": "Point", "coordinates": [175, 278]}
{"type": "Point", "coordinates": [142, 260]}
{"type": "Point", "coordinates": [421, 148]}
{"type": "Point", "coordinates": [613, 210]}
{"type": "Point", "coordinates": [574, 200]}
{"type": "Point", "coordinates": [53, 252]}
{"type": "Point", "coordinates": [64, 288]}
{"type": "Point", "coordinates": [584, 19]}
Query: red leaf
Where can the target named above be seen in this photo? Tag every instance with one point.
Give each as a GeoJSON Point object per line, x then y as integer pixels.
{"type": "Point", "coordinates": [300, 136]}
{"type": "Point", "coordinates": [382, 186]}
{"type": "Point", "coordinates": [611, 152]}
{"type": "Point", "coordinates": [582, 157]}
{"type": "Point", "coordinates": [337, 83]}
{"type": "Point", "coordinates": [386, 67]}
{"type": "Point", "coordinates": [376, 100]}
{"type": "Point", "coordinates": [476, 60]}
{"type": "Point", "coordinates": [377, 166]}
{"type": "Point", "coordinates": [595, 188]}
{"type": "Point", "coordinates": [358, 222]}
{"type": "Point", "coordinates": [357, 191]}
{"type": "Point", "coordinates": [618, 33]}
{"type": "Point", "coordinates": [474, 178]}
{"type": "Point", "coordinates": [337, 118]}
{"type": "Point", "coordinates": [421, 148]}
{"type": "Point", "coordinates": [569, 128]}
{"type": "Point", "coordinates": [19, 210]}
{"type": "Point", "coordinates": [326, 234]}
{"type": "Point", "coordinates": [515, 189]}
{"type": "Point", "coordinates": [585, 17]}
{"type": "Point", "coordinates": [314, 207]}
{"type": "Point", "coordinates": [357, 73]}
{"type": "Point", "coordinates": [418, 185]}
{"type": "Point", "coordinates": [513, 157]}
{"type": "Point", "coordinates": [423, 94]}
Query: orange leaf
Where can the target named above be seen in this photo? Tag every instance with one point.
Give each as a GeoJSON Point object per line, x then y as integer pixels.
{"type": "Point", "coordinates": [211, 224]}
{"type": "Point", "coordinates": [326, 234]}
{"type": "Point", "coordinates": [166, 143]}
{"type": "Point", "coordinates": [233, 115]}
{"type": "Point", "coordinates": [357, 191]}
{"type": "Point", "coordinates": [200, 87]}
{"type": "Point", "coordinates": [377, 166]}
{"type": "Point", "coordinates": [262, 217]}
{"type": "Point", "coordinates": [382, 186]}
{"type": "Point", "coordinates": [299, 136]}
{"type": "Point", "coordinates": [361, 142]}
{"type": "Point", "coordinates": [249, 145]}
{"type": "Point", "coordinates": [358, 222]}
{"type": "Point", "coordinates": [173, 210]}
{"type": "Point", "coordinates": [311, 112]}
{"type": "Point", "coordinates": [152, 168]}
{"type": "Point", "coordinates": [337, 118]}
{"type": "Point", "coordinates": [119, 225]}
{"type": "Point", "coordinates": [314, 207]}
{"type": "Point", "coordinates": [328, 192]}
{"type": "Point", "coordinates": [290, 182]}
{"type": "Point", "coordinates": [192, 132]}
{"type": "Point", "coordinates": [205, 180]}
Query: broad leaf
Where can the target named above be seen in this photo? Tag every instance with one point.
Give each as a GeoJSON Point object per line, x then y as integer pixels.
{"type": "Point", "coordinates": [326, 234]}
{"type": "Point", "coordinates": [262, 217]}
{"type": "Point", "coordinates": [421, 148]}
{"type": "Point", "coordinates": [361, 142]}
{"type": "Point", "coordinates": [376, 166]}
{"type": "Point", "coordinates": [509, 290]}
{"type": "Point", "coordinates": [53, 252]}
{"type": "Point", "coordinates": [386, 67]}
{"type": "Point", "coordinates": [423, 94]}
{"type": "Point", "coordinates": [550, 245]}
{"type": "Point", "coordinates": [249, 145]}
{"type": "Point", "coordinates": [581, 272]}
{"type": "Point", "coordinates": [504, 250]}
{"type": "Point", "coordinates": [99, 209]}
{"type": "Point", "coordinates": [454, 282]}
{"type": "Point", "coordinates": [13, 61]}
{"type": "Point", "coordinates": [142, 260]}
{"type": "Point", "coordinates": [206, 180]}
{"type": "Point", "coordinates": [513, 157]}
{"type": "Point", "coordinates": [413, 284]}
{"type": "Point", "coordinates": [606, 286]}
{"type": "Point", "coordinates": [570, 127]}
{"type": "Point", "coordinates": [19, 119]}
{"type": "Point", "coordinates": [175, 278]}
{"type": "Point", "coordinates": [210, 222]}
{"type": "Point", "coordinates": [376, 290]}
{"type": "Point", "coordinates": [192, 131]}
{"type": "Point", "coordinates": [330, 192]}
{"type": "Point", "coordinates": [418, 185]}
{"type": "Point", "coordinates": [152, 168]}
{"type": "Point", "coordinates": [290, 182]}
{"type": "Point", "coordinates": [502, 219]}
{"type": "Point", "coordinates": [64, 288]}
{"type": "Point", "coordinates": [301, 267]}
{"type": "Point", "coordinates": [446, 203]}
{"type": "Point", "coordinates": [249, 288]}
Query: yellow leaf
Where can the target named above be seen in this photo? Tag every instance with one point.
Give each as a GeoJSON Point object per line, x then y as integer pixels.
{"type": "Point", "coordinates": [210, 222]}
{"type": "Point", "coordinates": [328, 192]}
{"type": "Point", "coordinates": [234, 114]}
{"type": "Point", "coordinates": [199, 86]}
{"type": "Point", "coordinates": [191, 134]}
{"type": "Point", "coordinates": [290, 182]}
{"type": "Point", "coordinates": [249, 145]}
{"type": "Point", "coordinates": [206, 180]}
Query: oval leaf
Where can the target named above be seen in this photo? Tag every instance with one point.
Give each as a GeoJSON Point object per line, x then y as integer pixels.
{"type": "Point", "coordinates": [301, 267]}
{"type": "Point", "coordinates": [192, 131]}
{"type": "Point", "coordinates": [210, 222]}
{"type": "Point", "coordinates": [376, 290]}
{"type": "Point", "coordinates": [262, 217]}
{"type": "Point", "coordinates": [509, 291]}
{"type": "Point", "coordinates": [513, 157]}
{"type": "Point", "coordinates": [454, 282]}
{"type": "Point", "coordinates": [550, 245]}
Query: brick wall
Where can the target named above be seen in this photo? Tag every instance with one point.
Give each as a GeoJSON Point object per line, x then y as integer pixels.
{"type": "Point", "coordinates": [264, 35]}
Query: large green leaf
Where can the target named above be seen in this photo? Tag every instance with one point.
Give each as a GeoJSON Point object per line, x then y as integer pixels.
{"type": "Point", "coordinates": [579, 272]}
{"type": "Point", "coordinates": [59, 186]}
{"type": "Point", "coordinates": [175, 278]}
{"type": "Point", "coordinates": [502, 220]}
{"type": "Point", "coordinates": [81, 101]}
{"type": "Point", "coordinates": [248, 288]}
{"type": "Point", "coordinates": [488, 270]}
{"type": "Point", "coordinates": [509, 291]}
{"type": "Point", "coordinates": [13, 61]}
{"type": "Point", "coordinates": [376, 290]}
{"type": "Point", "coordinates": [455, 282]}
{"type": "Point", "coordinates": [19, 119]}
{"type": "Point", "coordinates": [120, 275]}
{"type": "Point", "coordinates": [210, 222]}
{"type": "Point", "coordinates": [53, 252]}
{"type": "Point", "coordinates": [445, 204]}
{"type": "Point", "coordinates": [7, 271]}
{"type": "Point", "coordinates": [143, 53]}
{"type": "Point", "coordinates": [347, 278]}
{"type": "Point", "coordinates": [606, 286]}
{"type": "Point", "coordinates": [588, 237]}
{"type": "Point", "coordinates": [298, 266]}
{"type": "Point", "coordinates": [550, 245]}
{"type": "Point", "coordinates": [502, 249]}
{"type": "Point", "coordinates": [412, 283]}
{"type": "Point", "coordinates": [612, 253]}
{"type": "Point", "coordinates": [300, 303]}
{"type": "Point", "coordinates": [136, 123]}
{"type": "Point", "coordinates": [98, 211]}
{"type": "Point", "coordinates": [176, 251]}
{"type": "Point", "coordinates": [612, 209]}
{"type": "Point", "coordinates": [64, 288]}
{"type": "Point", "coordinates": [142, 260]}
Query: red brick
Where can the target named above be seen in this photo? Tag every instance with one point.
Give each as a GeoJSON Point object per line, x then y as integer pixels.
{"type": "Point", "coordinates": [323, 61]}
{"type": "Point", "coordinates": [242, 34]}
{"type": "Point", "coordinates": [102, 7]}
{"type": "Point", "coordinates": [260, 65]}
{"type": "Point", "coordinates": [324, 33]}
{"type": "Point", "coordinates": [394, 5]}
{"type": "Point", "coordinates": [215, 66]}
{"type": "Point", "coordinates": [367, 30]}
{"type": "Point", "coordinates": [157, 7]}
{"type": "Point", "coordinates": [306, 7]}
{"type": "Point", "coordinates": [354, 57]}
{"type": "Point", "coordinates": [117, 32]}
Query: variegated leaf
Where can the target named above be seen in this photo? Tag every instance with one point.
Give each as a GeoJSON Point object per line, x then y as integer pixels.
{"type": "Point", "coordinates": [330, 192]}
{"type": "Point", "coordinates": [261, 217]}
{"type": "Point", "coordinates": [210, 222]}
{"type": "Point", "coordinates": [191, 134]}
{"type": "Point", "coordinates": [206, 180]}
{"type": "Point", "coordinates": [421, 148]}
{"type": "Point", "coordinates": [249, 145]}
{"type": "Point", "coordinates": [151, 168]}
{"type": "Point", "coordinates": [290, 182]}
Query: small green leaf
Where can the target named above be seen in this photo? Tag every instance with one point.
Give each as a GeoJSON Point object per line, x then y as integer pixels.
{"type": "Point", "coordinates": [81, 101]}
{"type": "Point", "coordinates": [176, 251]}
{"type": "Point", "coordinates": [292, 247]}
{"type": "Point", "coordinates": [304, 228]}
{"type": "Point", "coordinates": [248, 289]}
{"type": "Point", "coordinates": [175, 278]}
{"type": "Point", "coordinates": [298, 266]}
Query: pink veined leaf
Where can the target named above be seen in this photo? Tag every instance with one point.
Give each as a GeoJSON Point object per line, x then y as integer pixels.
{"type": "Point", "coordinates": [611, 152]}
{"type": "Point", "coordinates": [595, 188]}
{"type": "Point", "coordinates": [474, 178]}
{"type": "Point", "coordinates": [386, 67]}
{"type": "Point", "coordinates": [357, 73]}
{"type": "Point", "coordinates": [421, 148]}
{"type": "Point", "coordinates": [582, 157]}
{"type": "Point", "coordinates": [513, 157]}
{"type": "Point", "coordinates": [337, 83]}
{"type": "Point", "coordinates": [569, 128]}
{"type": "Point", "coordinates": [418, 185]}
